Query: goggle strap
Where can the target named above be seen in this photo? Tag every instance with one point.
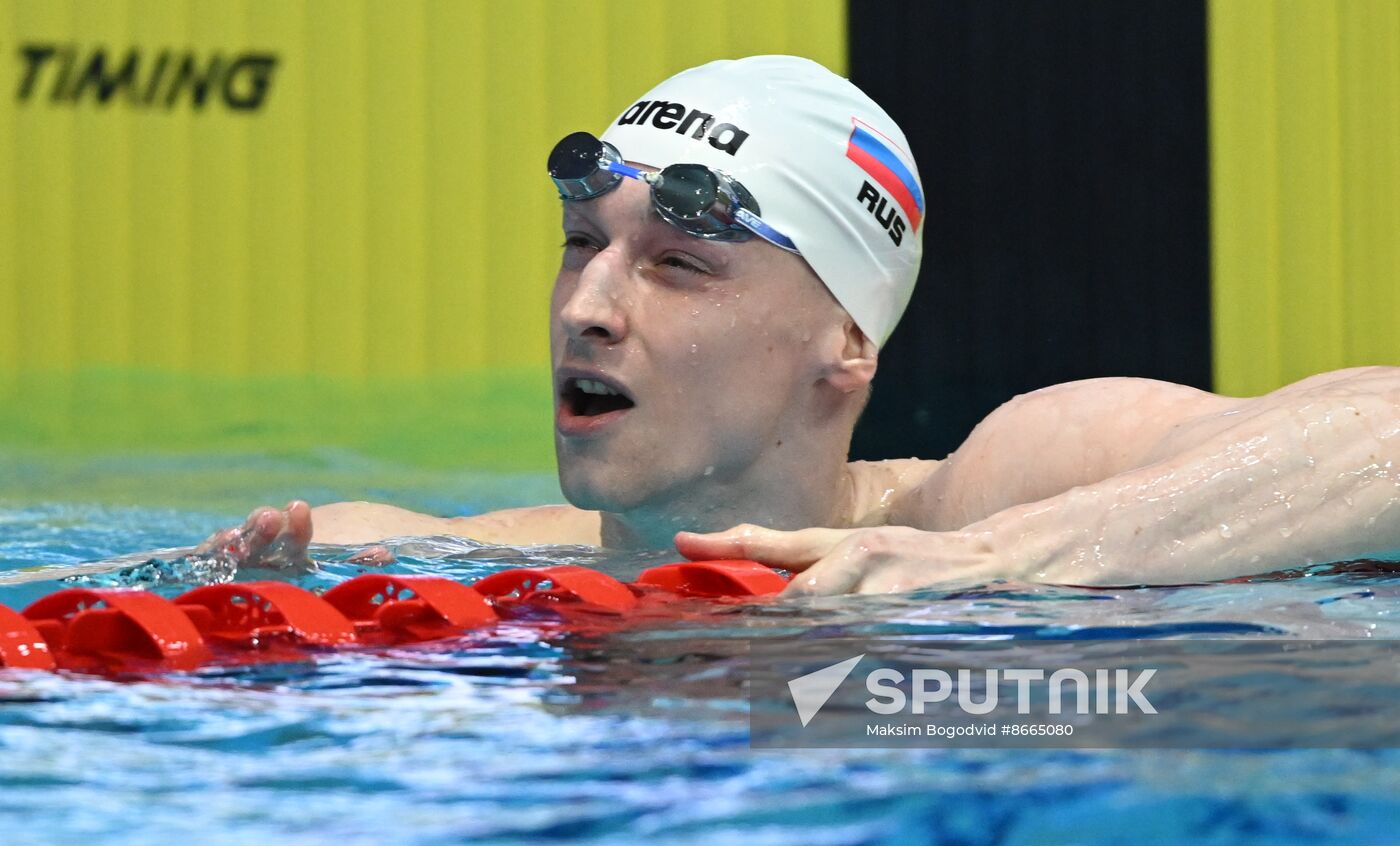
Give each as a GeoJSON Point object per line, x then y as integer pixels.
{"type": "Point", "coordinates": [764, 231]}
{"type": "Point", "coordinates": [750, 220]}
{"type": "Point", "coordinates": [624, 169]}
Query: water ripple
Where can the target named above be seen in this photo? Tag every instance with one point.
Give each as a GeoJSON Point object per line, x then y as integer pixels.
{"type": "Point", "coordinates": [639, 735]}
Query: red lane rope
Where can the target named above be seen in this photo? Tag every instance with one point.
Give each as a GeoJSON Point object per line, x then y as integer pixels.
{"type": "Point", "coordinates": [715, 578]}
{"type": "Point", "coordinates": [118, 629]}
{"type": "Point", "coordinates": [21, 645]}
{"type": "Point", "coordinates": [559, 585]}
{"type": "Point", "coordinates": [246, 613]}
{"type": "Point", "coordinates": [407, 609]}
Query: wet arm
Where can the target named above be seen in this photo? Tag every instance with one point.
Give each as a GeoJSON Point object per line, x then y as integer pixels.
{"type": "Point", "coordinates": [370, 522]}
{"type": "Point", "coordinates": [1299, 476]}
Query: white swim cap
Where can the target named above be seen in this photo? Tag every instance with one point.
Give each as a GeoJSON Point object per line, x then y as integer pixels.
{"type": "Point", "coordinates": [828, 168]}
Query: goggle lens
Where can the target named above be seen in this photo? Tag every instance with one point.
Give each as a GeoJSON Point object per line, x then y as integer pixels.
{"type": "Point", "coordinates": [579, 167]}
{"type": "Point", "coordinates": [693, 197]}
{"type": "Point", "coordinates": [686, 191]}
{"type": "Point", "coordinates": [575, 157]}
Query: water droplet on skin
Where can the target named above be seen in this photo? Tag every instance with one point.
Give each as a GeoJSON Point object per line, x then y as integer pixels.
{"type": "Point", "coordinates": [709, 471]}
{"type": "Point", "coordinates": [1225, 530]}
{"type": "Point", "coordinates": [694, 348]}
{"type": "Point", "coordinates": [1286, 531]}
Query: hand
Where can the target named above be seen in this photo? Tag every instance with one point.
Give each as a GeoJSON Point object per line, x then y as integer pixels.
{"type": "Point", "coordinates": [270, 538]}
{"type": "Point", "coordinates": [884, 559]}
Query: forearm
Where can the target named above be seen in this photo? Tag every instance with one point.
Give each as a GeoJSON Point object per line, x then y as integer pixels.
{"type": "Point", "coordinates": [1299, 483]}
{"type": "Point", "coordinates": [369, 522]}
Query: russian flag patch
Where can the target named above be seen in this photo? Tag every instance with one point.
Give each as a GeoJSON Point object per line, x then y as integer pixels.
{"type": "Point", "coordinates": [889, 166]}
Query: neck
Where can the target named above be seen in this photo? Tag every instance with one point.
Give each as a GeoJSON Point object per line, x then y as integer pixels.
{"type": "Point", "coordinates": [785, 489]}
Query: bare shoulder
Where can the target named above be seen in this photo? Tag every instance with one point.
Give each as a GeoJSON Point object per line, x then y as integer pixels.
{"type": "Point", "coordinates": [1044, 442]}
{"type": "Point", "coordinates": [368, 522]}
{"type": "Point", "coordinates": [1101, 394]}
{"type": "Point", "coordinates": [1369, 387]}
{"type": "Point", "coordinates": [1111, 422]}
{"type": "Point", "coordinates": [1077, 433]}
{"type": "Point", "coordinates": [1353, 380]}
{"type": "Point", "coordinates": [1122, 423]}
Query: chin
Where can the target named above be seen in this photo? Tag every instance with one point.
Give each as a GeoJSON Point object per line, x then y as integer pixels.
{"type": "Point", "coordinates": [584, 490]}
{"type": "Point", "coordinates": [599, 488]}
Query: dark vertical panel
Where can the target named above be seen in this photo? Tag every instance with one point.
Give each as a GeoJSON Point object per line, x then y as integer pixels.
{"type": "Point", "coordinates": [1063, 150]}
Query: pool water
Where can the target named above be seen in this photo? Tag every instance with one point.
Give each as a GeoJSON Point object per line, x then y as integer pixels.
{"type": "Point", "coordinates": [635, 736]}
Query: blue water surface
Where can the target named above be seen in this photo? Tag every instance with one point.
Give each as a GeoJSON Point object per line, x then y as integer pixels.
{"type": "Point", "coordinates": [636, 736]}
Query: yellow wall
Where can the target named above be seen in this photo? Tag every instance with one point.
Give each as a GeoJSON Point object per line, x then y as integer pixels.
{"type": "Point", "coordinates": [384, 215]}
{"type": "Point", "coordinates": [1305, 139]}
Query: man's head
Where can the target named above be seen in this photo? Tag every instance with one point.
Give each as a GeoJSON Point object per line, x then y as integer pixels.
{"type": "Point", "coordinates": [730, 358]}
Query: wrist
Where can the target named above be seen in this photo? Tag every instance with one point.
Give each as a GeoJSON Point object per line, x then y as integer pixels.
{"type": "Point", "coordinates": [1035, 543]}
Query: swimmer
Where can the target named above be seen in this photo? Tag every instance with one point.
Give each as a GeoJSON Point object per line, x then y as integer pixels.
{"type": "Point", "coordinates": [738, 244]}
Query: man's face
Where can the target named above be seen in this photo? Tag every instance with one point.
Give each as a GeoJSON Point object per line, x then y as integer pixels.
{"type": "Point", "coordinates": [678, 362]}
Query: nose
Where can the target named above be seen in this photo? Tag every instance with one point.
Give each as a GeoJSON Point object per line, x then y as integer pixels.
{"type": "Point", "coordinates": [594, 309]}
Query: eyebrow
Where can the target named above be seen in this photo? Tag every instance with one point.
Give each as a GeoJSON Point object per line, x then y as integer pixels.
{"type": "Point", "coordinates": [581, 215]}
{"type": "Point", "coordinates": [584, 214]}
{"type": "Point", "coordinates": [574, 217]}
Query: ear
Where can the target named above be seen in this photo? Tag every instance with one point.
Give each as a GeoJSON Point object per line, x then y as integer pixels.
{"type": "Point", "coordinates": [853, 365]}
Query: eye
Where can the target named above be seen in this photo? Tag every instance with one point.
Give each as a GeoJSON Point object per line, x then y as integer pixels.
{"type": "Point", "coordinates": [579, 250]}
{"type": "Point", "coordinates": [682, 263]}
{"type": "Point", "coordinates": [575, 241]}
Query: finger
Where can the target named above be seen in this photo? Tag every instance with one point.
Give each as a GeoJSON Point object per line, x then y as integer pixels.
{"type": "Point", "coordinates": [838, 572]}
{"type": "Point", "coordinates": [892, 579]}
{"type": "Point", "coordinates": [262, 528]}
{"type": "Point", "coordinates": [272, 537]}
{"type": "Point", "coordinates": [293, 535]}
{"type": "Point", "coordinates": [299, 522]}
{"type": "Point", "coordinates": [830, 580]}
{"type": "Point", "coordinates": [256, 532]}
{"type": "Point", "coordinates": [790, 550]}
{"type": "Point", "coordinates": [220, 542]}
{"type": "Point", "coordinates": [248, 540]}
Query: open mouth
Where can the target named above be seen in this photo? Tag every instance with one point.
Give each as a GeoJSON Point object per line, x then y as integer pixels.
{"type": "Point", "coordinates": [593, 397]}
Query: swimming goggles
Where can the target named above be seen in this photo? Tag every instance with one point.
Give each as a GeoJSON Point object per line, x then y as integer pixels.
{"type": "Point", "coordinates": [700, 200]}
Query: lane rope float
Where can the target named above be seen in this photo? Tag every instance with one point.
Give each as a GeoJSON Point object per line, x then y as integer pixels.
{"type": "Point", "coordinates": [118, 630]}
